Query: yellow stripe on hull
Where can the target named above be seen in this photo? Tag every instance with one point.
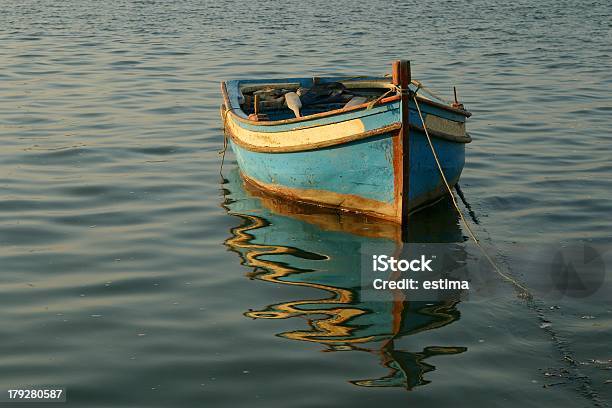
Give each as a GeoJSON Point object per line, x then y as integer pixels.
{"type": "Point", "coordinates": [298, 139]}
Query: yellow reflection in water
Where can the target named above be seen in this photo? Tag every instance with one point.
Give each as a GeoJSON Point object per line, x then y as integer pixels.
{"type": "Point", "coordinates": [341, 320]}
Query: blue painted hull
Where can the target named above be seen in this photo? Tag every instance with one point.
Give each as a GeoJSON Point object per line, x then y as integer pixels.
{"type": "Point", "coordinates": [363, 168]}
{"type": "Point", "coordinates": [362, 175]}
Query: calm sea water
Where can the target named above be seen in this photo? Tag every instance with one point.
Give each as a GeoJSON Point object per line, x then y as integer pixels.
{"type": "Point", "coordinates": [133, 275]}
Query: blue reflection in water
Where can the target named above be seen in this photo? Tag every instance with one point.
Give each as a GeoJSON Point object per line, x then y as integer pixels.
{"type": "Point", "coordinates": [292, 244]}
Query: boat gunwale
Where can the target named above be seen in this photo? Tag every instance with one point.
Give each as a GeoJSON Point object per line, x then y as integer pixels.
{"type": "Point", "coordinates": [325, 114]}
{"type": "Point", "coordinates": [390, 128]}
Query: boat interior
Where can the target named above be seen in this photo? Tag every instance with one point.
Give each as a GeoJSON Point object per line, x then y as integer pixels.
{"type": "Point", "coordinates": [280, 101]}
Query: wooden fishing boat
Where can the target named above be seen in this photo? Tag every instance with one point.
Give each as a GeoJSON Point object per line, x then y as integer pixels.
{"type": "Point", "coordinates": [369, 154]}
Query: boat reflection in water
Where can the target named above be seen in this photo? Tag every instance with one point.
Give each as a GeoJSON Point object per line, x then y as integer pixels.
{"type": "Point", "coordinates": [287, 243]}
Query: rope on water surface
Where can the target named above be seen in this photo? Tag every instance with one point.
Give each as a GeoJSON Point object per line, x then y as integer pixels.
{"type": "Point", "coordinates": [524, 291]}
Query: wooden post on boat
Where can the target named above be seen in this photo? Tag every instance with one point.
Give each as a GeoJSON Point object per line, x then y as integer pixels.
{"type": "Point", "coordinates": [401, 79]}
{"type": "Point", "coordinates": [401, 73]}
{"type": "Point", "coordinates": [256, 105]}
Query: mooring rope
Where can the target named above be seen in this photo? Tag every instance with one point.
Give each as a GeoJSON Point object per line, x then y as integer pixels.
{"type": "Point", "coordinates": [380, 98]}
{"type": "Point", "coordinates": [225, 141]}
{"type": "Point", "coordinates": [222, 151]}
{"type": "Point", "coordinates": [428, 90]}
{"type": "Point", "coordinates": [525, 292]}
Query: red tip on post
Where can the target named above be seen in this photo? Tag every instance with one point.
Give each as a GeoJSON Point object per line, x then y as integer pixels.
{"type": "Point", "coordinates": [456, 104]}
{"type": "Point", "coordinates": [401, 73]}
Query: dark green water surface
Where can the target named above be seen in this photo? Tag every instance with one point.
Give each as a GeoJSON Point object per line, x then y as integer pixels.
{"type": "Point", "coordinates": [134, 276]}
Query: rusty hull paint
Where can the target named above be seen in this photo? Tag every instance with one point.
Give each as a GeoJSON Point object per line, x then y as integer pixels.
{"type": "Point", "coordinates": [330, 199]}
{"type": "Point", "coordinates": [398, 173]}
{"type": "Point", "coordinates": [328, 219]}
